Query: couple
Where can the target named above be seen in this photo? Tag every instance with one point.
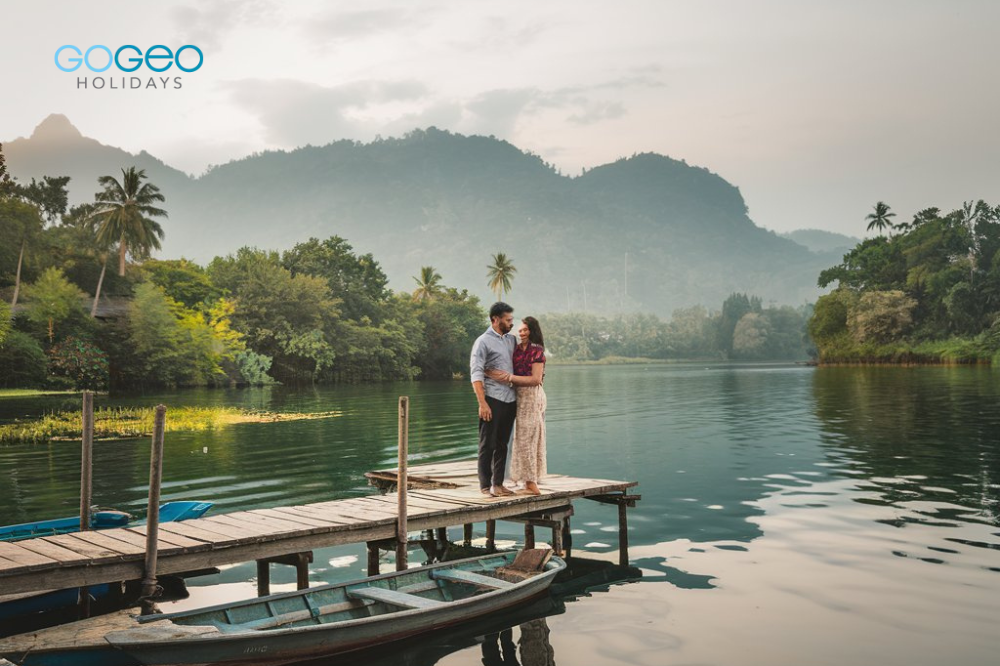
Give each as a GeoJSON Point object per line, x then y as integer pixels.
{"type": "Point", "coordinates": [507, 377]}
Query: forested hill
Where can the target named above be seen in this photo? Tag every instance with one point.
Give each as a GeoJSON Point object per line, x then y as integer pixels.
{"type": "Point", "coordinates": [645, 233]}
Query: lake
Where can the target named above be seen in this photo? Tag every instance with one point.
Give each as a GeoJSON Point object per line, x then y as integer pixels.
{"type": "Point", "coordinates": [789, 515]}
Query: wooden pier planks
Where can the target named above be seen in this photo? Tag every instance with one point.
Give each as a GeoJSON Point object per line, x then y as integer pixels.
{"type": "Point", "coordinates": [72, 560]}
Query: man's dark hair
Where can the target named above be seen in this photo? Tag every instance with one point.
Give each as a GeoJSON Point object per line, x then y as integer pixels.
{"type": "Point", "coordinates": [499, 309]}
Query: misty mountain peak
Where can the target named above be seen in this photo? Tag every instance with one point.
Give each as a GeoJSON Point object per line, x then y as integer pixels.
{"type": "Point", "coordinates": [56, 127]}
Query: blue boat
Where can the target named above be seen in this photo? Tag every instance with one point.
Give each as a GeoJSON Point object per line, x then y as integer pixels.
{"type": "Point", "coordinates": [293, 626]}
{"type": "Point", "coordinates": [29, 604]}
{"type": "Point", "coordinates": [99, 520]}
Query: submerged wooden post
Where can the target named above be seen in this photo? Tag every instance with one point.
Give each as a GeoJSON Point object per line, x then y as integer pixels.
{"type": "Point", "coordinates": [153, 513]}
{"type": "Point", "coordinates": [373, 559]}
{"type": "Point", "coordinates": [491, 536]}
{"type": "Point", "coordinates": [529, 536]}
{"type": "Point", "coordinates": [86, 483]}
{"type": "Point", "coordinates": [263, 578]}
{"type": "Point", "coordinates": [622, 533]}
{"type": "Point", "coordinates": [401, 483]}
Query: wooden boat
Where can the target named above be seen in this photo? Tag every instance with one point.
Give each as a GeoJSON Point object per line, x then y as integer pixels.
{"type": "Point", "coordinates": [12, 606]}
{"type": "Point", "coordinates": [99, 520]}
{"type": "Point", "coordinates": [293, 626]}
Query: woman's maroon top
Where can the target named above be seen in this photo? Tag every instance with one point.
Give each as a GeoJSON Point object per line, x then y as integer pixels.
{"type": "Point", "coordinates": [525, 358]}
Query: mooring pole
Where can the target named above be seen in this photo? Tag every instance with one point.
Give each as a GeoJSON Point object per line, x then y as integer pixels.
{"type": "Point", "coordinates": [622, 533]}
{"type": "Point", "coordinates": [153, 512]}
{"type": "Point", "coordinates": [404, 436]}
{"type": "Point", "coordinates": [86, 483]}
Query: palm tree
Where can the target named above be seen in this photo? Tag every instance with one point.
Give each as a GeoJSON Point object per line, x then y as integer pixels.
{"type": "Point", "coordinates": [428, 284]}
{"type": "Point", "coordinates": [880, 218]}
{"type": "Point", "coordinates": [500, 274]}
{"type": "Point", "coordinates": [124, 213]}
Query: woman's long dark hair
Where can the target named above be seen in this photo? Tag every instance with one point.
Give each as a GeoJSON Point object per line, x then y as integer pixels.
{"type": "Point", "coordinates": [534, 331]}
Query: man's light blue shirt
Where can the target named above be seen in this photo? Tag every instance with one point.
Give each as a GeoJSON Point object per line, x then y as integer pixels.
{"type": "Point", "coordinates": [492, 350]}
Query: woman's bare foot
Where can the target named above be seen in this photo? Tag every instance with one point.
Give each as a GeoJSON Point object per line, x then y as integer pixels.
{"type": "Point", "coordinates": [532, 488]}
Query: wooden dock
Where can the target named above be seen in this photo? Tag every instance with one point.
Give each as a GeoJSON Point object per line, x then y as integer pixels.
{"type": "Point", "coordinates": [439, 496]}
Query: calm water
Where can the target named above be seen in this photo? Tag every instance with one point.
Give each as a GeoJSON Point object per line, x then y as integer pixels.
{"type": "Point", "coordinates": [789, 515]}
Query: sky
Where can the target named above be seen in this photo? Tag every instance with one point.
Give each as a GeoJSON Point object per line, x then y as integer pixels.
{"type": "Point", "coordinates": [815, 109]}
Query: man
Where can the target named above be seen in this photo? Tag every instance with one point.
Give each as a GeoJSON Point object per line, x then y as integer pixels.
{"type": "Point", "coordinates": [497, 400]}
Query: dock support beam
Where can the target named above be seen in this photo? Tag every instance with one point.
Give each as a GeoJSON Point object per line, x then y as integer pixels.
{"type": "Point", "coordinates": [373, 553]}
{"type": "Point", "coordinates": [404, 436]}
{"type": "Point", "coordinates": [467, 535]}
{"type": "Point", "coordinates": [623, 534]}
{"type": "Point", "coordinates": [153, 512]}
{"type": "Point", "coordinates": [491, 536]}
{"type": "Point", "coordinates": [300, 561]}
{"type": "Point", "coordinates": [529, 535]}
{"type": "Point", "coordinates": [86, 484]}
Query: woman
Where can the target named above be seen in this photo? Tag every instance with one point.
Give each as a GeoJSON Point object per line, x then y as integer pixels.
{"type": "Point", "coordinates": [528, 454]}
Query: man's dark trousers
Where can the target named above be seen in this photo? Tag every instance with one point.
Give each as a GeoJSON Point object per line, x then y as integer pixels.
{"type": "Point", "coordinates": [493, 438]}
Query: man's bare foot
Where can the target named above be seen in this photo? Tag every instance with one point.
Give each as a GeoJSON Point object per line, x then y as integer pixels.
{"type": "Point", "coordinates": [497, 491]}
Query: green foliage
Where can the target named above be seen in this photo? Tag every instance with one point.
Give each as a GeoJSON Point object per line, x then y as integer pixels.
{"type": "Point", "coordinates": [500, 275]}
{"type": "Point", "coordinates": [80, 363]}
{"type": "Point", "coordinates": [254, 367]}
{"type": "Point", "coordinates": [184, 281]}
{"type": "Point", "coordinates": [50, 196]}
{"type": "Point", "coordinates": [428, 284]}
{"type": "Point", "coordinates": [358, 281]}
{"type": "Point", "coordinates": [52, 299]}
{"type": "Point", "coordinates": [733, 309]}
{"type": "Point", "coordinates": [451, 322]}
{"type": "Point", "coordinates": [23, 363]}
{"type": "Point", "coordinates": [937, 279]}
{"type": "Point", "coordinates": [125, 215]}
{"type": "Point", "coordinates": [292, 319]}
{"type": "Point", "coordinates": [880, 316]}
{"type": "Point", "coordinates": [5, 323]}
{"type": "Point", "coordinates": [169, 344]}
{"type": "Point", "coordinates": [21, 225]}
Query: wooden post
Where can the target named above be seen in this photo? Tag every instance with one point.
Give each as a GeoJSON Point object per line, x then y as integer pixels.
{"type": "Point", "coordinates": [401, 483]}
{"type": "Point", "coordinates": [153, 513]}
{"type": "Point", "coordinates": [557, 541]}
{"type": "Point", "coordinates": [529, 535]}
{"type": "Point", "coordinates": [373, 558]}
{"type": "Point", "coordinates": [442, 536]}
{"type": "Point", "coordinates": [467, 535]}
{"type": "Point", "coordinates": [567, 537]}
{"type": "Point", "coordinates": [263, 578]}
{"type": "Point", "coordinates": [302, 570]}
{"type": "Point", "coordinates": [491, 536]}
{"type": "Point", "coordinates": [622, 533]}
{"type": "Point", "coordinates": [86, 483]}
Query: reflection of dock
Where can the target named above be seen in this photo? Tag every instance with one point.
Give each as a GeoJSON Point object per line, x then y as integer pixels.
{"type": "Point", "coordinates": [440, 496]}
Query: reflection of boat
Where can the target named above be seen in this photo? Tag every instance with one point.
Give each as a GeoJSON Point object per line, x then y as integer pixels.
{"type": "Point", "coordinates": [296, 625]}
{"type": "Point", "coordinates": [99, 520]}
{"type": "Point", "coordinates": [13, 606]}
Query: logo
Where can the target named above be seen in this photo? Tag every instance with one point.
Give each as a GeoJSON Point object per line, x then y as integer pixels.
{"type": "Point", "coordinates": [129, 59]}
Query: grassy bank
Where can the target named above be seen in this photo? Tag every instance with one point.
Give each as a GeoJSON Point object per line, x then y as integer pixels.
{"type": "Point", "coordinates": [32, 393]}
{"type": "Point", "coordinates": [955, 351]}
{"type": "Point", "coordinates": [129, 423]}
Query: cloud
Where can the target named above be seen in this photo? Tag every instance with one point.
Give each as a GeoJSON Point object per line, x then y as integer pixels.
{"type": "Point", "coordinates": [206, 24]}
{"type": "Point", "coordinates": [294, 113]}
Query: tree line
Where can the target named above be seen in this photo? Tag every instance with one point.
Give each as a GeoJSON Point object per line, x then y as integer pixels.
{"type": "Point", "coordinates": [924, 290]}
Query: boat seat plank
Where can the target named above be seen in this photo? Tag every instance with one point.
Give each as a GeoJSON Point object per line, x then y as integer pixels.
{"type": "Point", "coordinates": [470, 577]}
{"type": "Point", "coordinates": [393, 598]}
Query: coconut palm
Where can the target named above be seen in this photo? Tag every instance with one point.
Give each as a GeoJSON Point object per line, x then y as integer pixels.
{"type": "Point", "coordinates": [500, 274]}
{"type": "Point", "coordinates": [880, 218]}
{"type": "Point", "coordinates": [428, 284]}
{"type": "Point", "coordinates": [124, 214]}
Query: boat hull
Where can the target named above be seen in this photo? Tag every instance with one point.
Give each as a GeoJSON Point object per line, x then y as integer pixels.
{"type": "Point", "coordinates": [275, 648]}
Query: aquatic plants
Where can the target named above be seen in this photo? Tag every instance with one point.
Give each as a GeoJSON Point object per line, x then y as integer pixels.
{"type": "Point", "coordinates": [132, 422]}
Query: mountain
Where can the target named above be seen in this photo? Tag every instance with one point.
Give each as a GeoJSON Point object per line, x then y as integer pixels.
{"type": "Point", "coordinates": [822, 241]}
{"type": "Point", "coordinates": [645, 233]}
